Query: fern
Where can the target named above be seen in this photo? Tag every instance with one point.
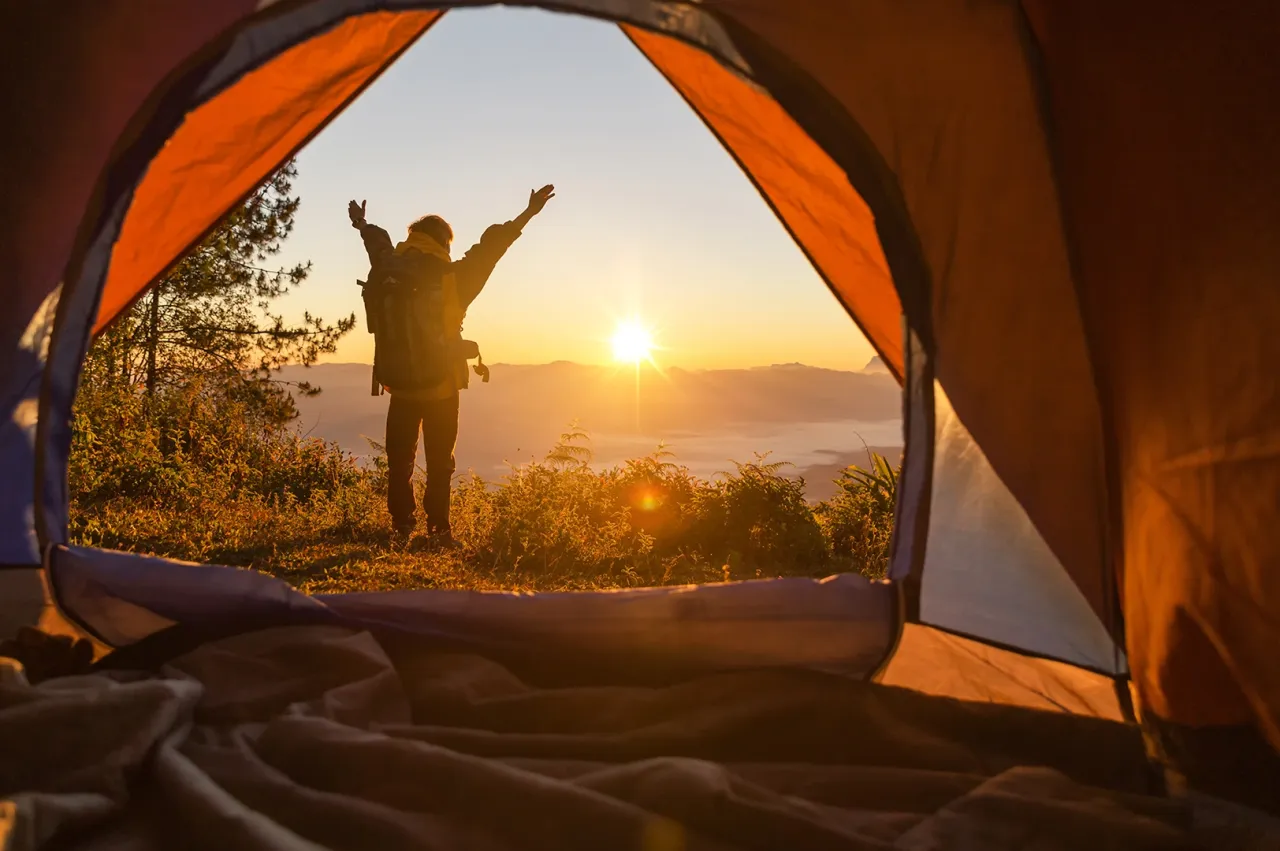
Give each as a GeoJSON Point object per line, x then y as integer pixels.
{"type": "Point", "coordinates": [573, 451]}
{"type": "Point", "coordinates": [758, 468]}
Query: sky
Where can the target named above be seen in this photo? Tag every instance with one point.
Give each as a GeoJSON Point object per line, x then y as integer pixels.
{"type": "Point", "coordinates": [651, 219]}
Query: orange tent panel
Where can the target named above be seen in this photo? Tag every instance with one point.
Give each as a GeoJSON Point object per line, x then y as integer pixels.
{"type": "Point", "coordinates": [229, 145]}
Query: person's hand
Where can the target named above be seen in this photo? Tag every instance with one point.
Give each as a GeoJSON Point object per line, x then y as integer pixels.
{"type": "Point", "coordinates": [538, 198]}
{"type": "Point", "coordinates": [356, 212]}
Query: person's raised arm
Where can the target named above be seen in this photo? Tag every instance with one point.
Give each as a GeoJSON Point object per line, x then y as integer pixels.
{"type": "Point", "coordinates": [355, 212]}
{"type": "Point", "coordinates": [377, 242]}
{"type": "Point", "coordinates": [475, 267]}
{"type": "Point", "coordinates": [538, 199]}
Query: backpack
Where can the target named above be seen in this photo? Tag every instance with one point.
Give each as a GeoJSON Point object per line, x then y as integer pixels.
{"type": "Point", "coordinates": [404, 310]}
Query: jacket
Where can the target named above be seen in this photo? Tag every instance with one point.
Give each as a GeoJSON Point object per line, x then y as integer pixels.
{"type": "Point", "coordinates": [464, 280]}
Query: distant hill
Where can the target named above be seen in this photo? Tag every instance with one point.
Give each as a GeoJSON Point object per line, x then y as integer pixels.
{"type": "Point", "coordinates": [875, 365]}
{"type": "Point", "coordinates": [807, 415]}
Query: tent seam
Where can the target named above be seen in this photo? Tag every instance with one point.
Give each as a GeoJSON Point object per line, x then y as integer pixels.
{"type": "Point", "coordinates": [1112, 512]}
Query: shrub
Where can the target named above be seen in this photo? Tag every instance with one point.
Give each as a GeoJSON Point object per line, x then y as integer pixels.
{"type": "Point", "coordinates": [857, 521]}
{"type": "Point", "coordinates": [189, 445]}
{"type": "Point", "coordinates": [756, 519]}
{"type": "Point", "coordinates": [662, 500]}
{"type": "Point", "coordinates": [547, 520]}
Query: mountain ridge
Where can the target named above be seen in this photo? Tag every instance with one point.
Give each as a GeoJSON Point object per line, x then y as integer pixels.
{"type": "Point", "coordinates": [815, 417]}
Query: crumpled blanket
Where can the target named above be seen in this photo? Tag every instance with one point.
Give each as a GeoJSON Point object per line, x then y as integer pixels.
{"type": "Point", "coordinates": [322, 737]}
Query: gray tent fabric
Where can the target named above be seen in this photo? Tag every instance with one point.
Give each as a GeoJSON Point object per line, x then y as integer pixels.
{"type": "Point", "coordinates": [21, 370]}
{"type": "Point", "coordinates": [843, 624]}
{"type": "Point", "coordinates": [987, 571]}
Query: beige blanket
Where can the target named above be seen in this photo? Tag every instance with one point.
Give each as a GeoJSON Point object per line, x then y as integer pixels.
{"type": "Point", "coordinates": [315, 737]}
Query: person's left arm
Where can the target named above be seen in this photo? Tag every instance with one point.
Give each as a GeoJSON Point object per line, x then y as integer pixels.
{"type": "Point", "coordinates": [472, 270]}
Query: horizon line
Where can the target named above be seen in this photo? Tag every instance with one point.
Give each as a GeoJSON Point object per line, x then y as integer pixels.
{"type": "Point", "coordinates": [866, 370]}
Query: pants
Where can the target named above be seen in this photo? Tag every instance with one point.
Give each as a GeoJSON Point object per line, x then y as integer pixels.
{"type": "Point", "coordinates": [438, 421]}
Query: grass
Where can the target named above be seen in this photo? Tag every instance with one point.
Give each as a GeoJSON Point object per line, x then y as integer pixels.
{"type": "Point", "coordinates": [194, 478]}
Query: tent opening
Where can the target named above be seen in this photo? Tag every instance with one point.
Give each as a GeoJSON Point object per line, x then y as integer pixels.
{"type": "Point", "coordinates": [253, 121]}
{"type": "Point", "coordinates": [656, 302]}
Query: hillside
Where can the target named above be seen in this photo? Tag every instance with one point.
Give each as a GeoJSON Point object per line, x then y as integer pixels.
{"type": "Point", "coordinates": [201, 474]}
{"type": "Point", "coordinates": [814, 418]}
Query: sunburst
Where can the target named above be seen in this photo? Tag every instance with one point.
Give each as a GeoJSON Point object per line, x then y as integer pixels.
{"type": "Point", "coordinates": [632, 342]}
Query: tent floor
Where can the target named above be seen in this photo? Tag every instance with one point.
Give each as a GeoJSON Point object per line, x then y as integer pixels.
{"type": "Point", "coordinates": [325, 736]}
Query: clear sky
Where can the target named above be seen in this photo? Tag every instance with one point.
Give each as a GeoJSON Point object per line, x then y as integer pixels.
{"type": "Point", "coordinates": [651, 216]}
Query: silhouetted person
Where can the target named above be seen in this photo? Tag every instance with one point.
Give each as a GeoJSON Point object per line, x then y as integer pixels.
{"type": "Point", "coordinates": [416, 299]}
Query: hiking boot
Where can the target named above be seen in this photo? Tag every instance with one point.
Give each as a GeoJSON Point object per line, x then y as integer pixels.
{"type": "Point", "coordinates": [443, 540]}
{"type": "Point", "coordinates": [401, 532]}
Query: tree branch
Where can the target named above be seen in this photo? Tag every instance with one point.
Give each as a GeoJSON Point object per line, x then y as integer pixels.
{"type": "Point", "coordinates": [228, 361]}
{"type": "Point", "coordinates": [259, 332]}
{"type": "Point", "coordinates": [281, 272]}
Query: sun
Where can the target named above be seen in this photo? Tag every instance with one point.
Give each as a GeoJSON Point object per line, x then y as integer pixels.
{"type": "Point", "coordinates": [632, 342]}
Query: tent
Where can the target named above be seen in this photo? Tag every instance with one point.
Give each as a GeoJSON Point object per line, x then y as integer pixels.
{"type": "Point", "coordinates": [1055, 222]}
